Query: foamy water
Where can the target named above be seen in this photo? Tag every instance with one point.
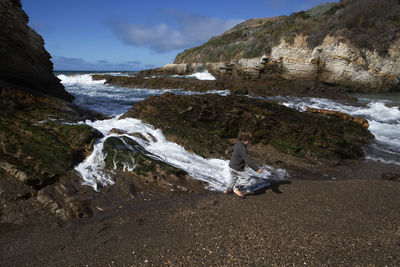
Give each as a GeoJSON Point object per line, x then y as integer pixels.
{"type": "Point", "coordinates": [384, 124]}
{"type": "Point", "coordinates": [205, 75]}
{"type": "Point", "coordinates": [213, 171]}
{"type": "Point", "coordinates": [113, 100]}
{"type": "Point", "coordinates": [110, 100]}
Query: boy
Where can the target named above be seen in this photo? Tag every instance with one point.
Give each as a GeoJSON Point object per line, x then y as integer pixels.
{"type": "Point", "coordinates": [238, 160]}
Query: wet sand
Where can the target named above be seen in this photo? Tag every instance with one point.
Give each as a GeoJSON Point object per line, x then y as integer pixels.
{"type": "Point", "coordinates": [305, 222]}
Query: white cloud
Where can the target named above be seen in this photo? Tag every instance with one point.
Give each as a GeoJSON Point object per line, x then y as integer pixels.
{"type": "Point", "coordinates": [160, 38]}
{"type": "Point", "coordinates": [190, 30]}
{"type": "Point", "coordinates": [68, 63]}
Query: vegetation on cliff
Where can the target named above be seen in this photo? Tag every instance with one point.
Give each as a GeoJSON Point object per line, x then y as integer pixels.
{"type": "Point", "coordinates": [369, 24]}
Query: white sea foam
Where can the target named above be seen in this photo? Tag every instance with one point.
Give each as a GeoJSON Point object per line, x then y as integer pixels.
{"type": "Point", "coordinates": [83, 79]}
{"type": "Point", "coordinates": [205, 75]}
{"type": "Point", "coordinates": [214, 172]}
{"type": "Point", "coordinates": [384, 123]}
{"type": "Point", "coordinates": [112, 100]}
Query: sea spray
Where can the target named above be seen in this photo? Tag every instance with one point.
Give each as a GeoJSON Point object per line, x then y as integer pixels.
{"type": "Point", "coordinates": [205, 75]}
{"type": "Point", "coordinates": [112, 100]}
{"type": "Point", "coordinates": [215, 172]}
{"type": "Point", "coordinates": [384, 124]}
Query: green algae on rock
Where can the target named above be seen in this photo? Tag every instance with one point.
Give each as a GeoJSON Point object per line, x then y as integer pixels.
{"type": "Point", "coordinates": [206, 123]}
{"type": "Point", "coordinates": [36, 138]}
{"type": "Point", "coordinates": [234, 85]}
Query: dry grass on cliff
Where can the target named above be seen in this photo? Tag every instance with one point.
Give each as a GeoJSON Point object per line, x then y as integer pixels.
{"type": "Point", "coordinates": [300, 40]}
{"type": "Point", "coordinates": [366, 24]}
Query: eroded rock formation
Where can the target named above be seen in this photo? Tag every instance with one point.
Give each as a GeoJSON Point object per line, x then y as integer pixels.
{"type": "Point", "coordinates": [351, 46]}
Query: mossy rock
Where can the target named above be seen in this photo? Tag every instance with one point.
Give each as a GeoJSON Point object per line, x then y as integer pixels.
{"type": "Point", "coordinates": [36, 138]}
{"type": "Point", "coordinates": [205, 124]}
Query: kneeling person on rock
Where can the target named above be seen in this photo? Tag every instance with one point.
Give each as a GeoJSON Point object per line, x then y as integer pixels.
{"type": "Point", "coordinates": [238, 160]}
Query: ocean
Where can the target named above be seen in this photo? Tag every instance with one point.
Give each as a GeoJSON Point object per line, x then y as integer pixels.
{"type": "Point", "coordinates": [381, 110]}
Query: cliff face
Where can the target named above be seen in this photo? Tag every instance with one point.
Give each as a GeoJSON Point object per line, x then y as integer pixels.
{"type": "Point", "coordinates": [38, 149]}
{"type": "Point", "coordinates": [353, 45]}
{"type": "Point", "coordinates": [24, 60]}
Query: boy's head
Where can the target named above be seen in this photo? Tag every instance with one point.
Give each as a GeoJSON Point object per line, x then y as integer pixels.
{"type": "Point", "coordinates": [245, 136]}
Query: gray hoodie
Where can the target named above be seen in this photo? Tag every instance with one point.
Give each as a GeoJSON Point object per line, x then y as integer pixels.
{"type": "Point", "coordinates": [240, 157]}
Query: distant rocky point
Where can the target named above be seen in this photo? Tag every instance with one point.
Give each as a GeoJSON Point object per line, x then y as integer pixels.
{"type": "Point", "coordinates": [350, 46]}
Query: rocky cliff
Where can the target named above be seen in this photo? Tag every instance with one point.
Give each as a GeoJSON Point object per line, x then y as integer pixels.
{"type": "Point", "coordinates": [41, 141]}
{"type": "Point", "coordinates": [39, 146]}
{"type": "Point", "coordinates": [352, 45]}
{"type": "Point", "coordinates": [24, 60]}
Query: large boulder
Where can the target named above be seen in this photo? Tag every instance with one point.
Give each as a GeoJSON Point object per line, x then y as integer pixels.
{"type": "Point", "coordinates": [146, 170]}
{"type": "Point", "coordinates": [206, 123]}
{"type": "Point", "coordinates": [39, 141]}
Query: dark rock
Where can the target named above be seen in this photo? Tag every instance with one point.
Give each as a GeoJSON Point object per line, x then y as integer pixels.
{"type": "Point", "coordinates": [8, 183]}
{"type": "Point", "coordinates": [38, 141]}
{"type": "Point", "coordinates": [236, 85]}
{"type": "Point", "coordinates": [391, 177]}
{"type": "Point", "coordinates": [361, 121]}
{"type": "Point", "coordinates": [205, 124]}
{"type": "Point", "coordinates": [67, 198]}
{"type": "Point", "coordinates": [149, 137]}
{"type": "Point", "coordinates": [146, 170]}
{"type": "Point", "coordinates": [116, 131]}
{"type": "Point", "coordinates": [24, 60]}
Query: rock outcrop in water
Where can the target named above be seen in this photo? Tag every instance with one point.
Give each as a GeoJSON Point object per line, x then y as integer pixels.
{"type": "Point", "coordinates": [205, 124]}
{"type": "Point", "coordinates": [233, 84]}
{"type": "Point", "coordinates": [146, 170]}
{"type": "Point", "coordinates": [361, 121]}
{"type": "Point", "coordinates": [351, 46]}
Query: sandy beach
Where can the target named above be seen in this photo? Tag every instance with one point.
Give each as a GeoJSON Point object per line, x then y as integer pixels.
{"type": "Point", "coordinates": [305, 222]}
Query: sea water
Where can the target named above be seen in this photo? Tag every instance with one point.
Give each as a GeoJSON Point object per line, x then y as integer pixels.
{"type": "Point", "coordinates": [114, 101]}
{"type": "Point", "coordinates": [383, 116]}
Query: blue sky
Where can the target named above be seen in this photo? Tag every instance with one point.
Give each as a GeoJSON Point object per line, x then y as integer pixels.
{"type": "Point", "coordinates": [134, 35]}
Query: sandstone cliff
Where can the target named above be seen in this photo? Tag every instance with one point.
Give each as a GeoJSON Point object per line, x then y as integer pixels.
{"type": "Point", "coordinates": [24, 60]}
{"type": "Point", "coordinates": [353, 45]}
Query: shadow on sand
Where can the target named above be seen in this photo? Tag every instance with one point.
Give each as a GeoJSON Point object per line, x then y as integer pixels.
{"type": "Point", "coordinates": [274, 186]}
